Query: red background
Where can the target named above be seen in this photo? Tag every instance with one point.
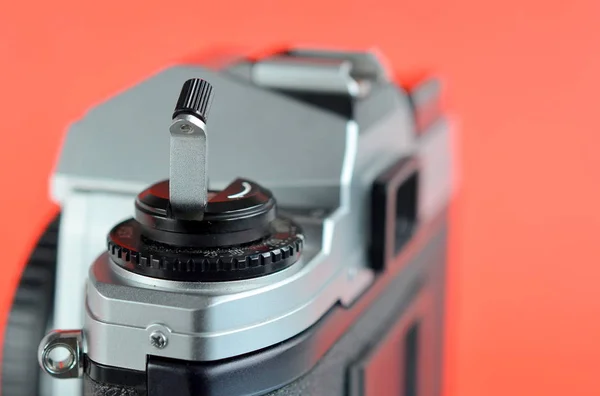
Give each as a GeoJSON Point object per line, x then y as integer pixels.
{"type": "Point", "coordinates": [521, 77]}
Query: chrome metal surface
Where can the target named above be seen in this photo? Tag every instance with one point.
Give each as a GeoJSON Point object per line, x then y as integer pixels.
{"type": "Point", "coordinates": [307, 75]}
{"type": "Point", "coordinates": [60, 353]}
{"type": "Point", "coordinates": [365, 64]}
{"type": "Point", "coordinates": [335, 161]}
{"type": "Point", "coordinates": [188, 177]}
{"type": "Point", "coordinates": [211, 321]}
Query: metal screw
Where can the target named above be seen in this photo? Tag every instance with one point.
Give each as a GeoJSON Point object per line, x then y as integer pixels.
{"type": "Point", "coordinates": [158, 339]}
{"type": "Point", "coordinates": [185, 128]}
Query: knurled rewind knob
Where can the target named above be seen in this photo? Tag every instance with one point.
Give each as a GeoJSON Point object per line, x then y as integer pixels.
{"type": "Point", "coordinates": [195, 99]}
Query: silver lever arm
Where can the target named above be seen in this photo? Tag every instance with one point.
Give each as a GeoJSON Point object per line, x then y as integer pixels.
{"type": "Point", "coordinates": [188, 183]}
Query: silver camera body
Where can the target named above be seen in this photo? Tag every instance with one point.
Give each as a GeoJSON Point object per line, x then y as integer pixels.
{"type": "Point", "coordinates": [361, 165]}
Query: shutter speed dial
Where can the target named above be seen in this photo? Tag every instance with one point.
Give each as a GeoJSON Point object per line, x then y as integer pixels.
{"type": "Point", "coordinates": [183, 231]}
{"type": "Point", "coordinates": [278, 249]}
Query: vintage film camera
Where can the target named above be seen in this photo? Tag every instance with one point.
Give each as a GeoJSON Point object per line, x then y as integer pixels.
{"type": "Point", "coordinates": [296, 244]}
